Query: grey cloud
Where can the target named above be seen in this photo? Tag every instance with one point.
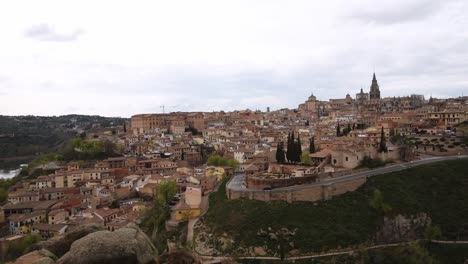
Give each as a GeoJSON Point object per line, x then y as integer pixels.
{"type": "Point", "coordinates": [45, 32]}
{"type": "Point", "coordinates": [411, 10]}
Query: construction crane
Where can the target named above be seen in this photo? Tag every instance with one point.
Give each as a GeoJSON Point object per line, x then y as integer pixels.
{"type": "Point", "coordinates": [163, 107]}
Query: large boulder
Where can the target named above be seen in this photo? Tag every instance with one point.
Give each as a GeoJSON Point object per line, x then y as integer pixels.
{"type": "Point", "coordinates": [37, 257]}
{"type": "Point", "coordinates": [126, 245]}
{"type": "Point", "coordinates": [61, 244]}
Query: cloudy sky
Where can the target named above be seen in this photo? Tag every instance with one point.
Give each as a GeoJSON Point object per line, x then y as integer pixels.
{"type": "Point", "coordinates": [119, 58]}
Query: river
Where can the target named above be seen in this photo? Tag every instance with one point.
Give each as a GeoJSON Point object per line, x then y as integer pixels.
{"type": "Point", "coordinates": [7, 174]}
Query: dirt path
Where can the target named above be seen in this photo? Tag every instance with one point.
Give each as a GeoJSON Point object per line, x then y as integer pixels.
{"type": "Point", "coordinates": [210, 259]}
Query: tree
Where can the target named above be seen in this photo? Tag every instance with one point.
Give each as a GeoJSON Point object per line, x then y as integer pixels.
{"type": "Point", "coordinates": [165, 191]}
{"type": "Point", "coordinates": [347, 130]}
{"type": "Point", "coordinates": [289, 148]}
{"type": "Point", "coordinates": [299, 148]}
{"type": "Point", "coordinates": [125, 127]}
{"type": "Point", "coordinates": [312, 145]}
{"type": "Point", "coordinates": [155, 218]}
{"type": "Point", "coordinates": [218, 161]}
{"type": "Point", "coordinates": [432, 232]}
{"type": "Point", "coordinates": [383, 146]}
{"type": "Point", "coordinates": [21, 246]}
{"type": "Point", "coordinates": [338, 130]}
{"type": "Point", "coordinates": [3, 195]}
{"type": "Point", "coordinates": [305, 158]}
{"type": "Point", "coordinates": [292, 146]}
{"type": "Point", "coordinates": [377, 202]}
{"type": "Point", "coordinates": [280, 152]}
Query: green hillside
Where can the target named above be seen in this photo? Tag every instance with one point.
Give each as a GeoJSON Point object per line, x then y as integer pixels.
{"type": "Point", "coordinates": [440, 190]}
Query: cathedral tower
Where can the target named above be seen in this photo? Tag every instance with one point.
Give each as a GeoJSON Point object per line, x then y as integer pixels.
{"type": "Point", "coordinates": [374, 89]}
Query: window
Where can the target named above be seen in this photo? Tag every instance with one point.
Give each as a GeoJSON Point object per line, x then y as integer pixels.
{"type": "Point", "coordinates": [346, 158]}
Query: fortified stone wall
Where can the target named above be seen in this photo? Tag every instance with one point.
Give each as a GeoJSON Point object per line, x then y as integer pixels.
{"type": "Point", "coordinates": [311, 193]}
{"type": "Point", "coordinates": [259, 182]}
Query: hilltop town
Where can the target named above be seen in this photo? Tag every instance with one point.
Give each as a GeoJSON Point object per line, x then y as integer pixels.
{"type": "Point", "coordinates": [174, 161]}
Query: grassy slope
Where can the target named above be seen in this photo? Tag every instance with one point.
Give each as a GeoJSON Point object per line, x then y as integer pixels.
{"type": "Point", "coordinates": [439, 189]}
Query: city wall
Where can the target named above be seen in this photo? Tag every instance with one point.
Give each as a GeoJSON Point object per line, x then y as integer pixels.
{"type": "Point", "coordinates": [311, 193]}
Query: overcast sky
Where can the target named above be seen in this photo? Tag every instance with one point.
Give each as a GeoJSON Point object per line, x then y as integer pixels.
{"type": "Point", "coordinates": [119, 58]}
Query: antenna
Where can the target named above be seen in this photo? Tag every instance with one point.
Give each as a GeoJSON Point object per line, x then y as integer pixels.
{"type": "Point", "coordinates": [162, 106]}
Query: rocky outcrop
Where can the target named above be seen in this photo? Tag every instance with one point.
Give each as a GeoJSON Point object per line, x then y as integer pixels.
{"type": "Point", "coordinates": [37, 257]}
{"type": "Point", "coordinates": [402, 228]}
{"type": "Point", "coordinates": [125, 245]}
{"type": "Point", "coordinates": [61, 244]}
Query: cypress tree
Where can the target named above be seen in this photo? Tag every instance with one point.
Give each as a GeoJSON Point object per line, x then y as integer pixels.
{"type": "Point", "coordinates": [281, 152]}
{"type": "Point", "coordinates": [278, 152]}
{"type": "Point", "coordinates": [312, 145]}
{"type": "Point", "coordinates": [293, 148]}
{"type": "Point", "coordinates": [338, 130]}
{"type": "Point", "coordinates": [299, 148]}
{"type": "Point", "coordinates": [125, 127]}
{"type": "Point", "coordinates": [383, 146]}
{"type": "Point", "coordinates": [288, 150]}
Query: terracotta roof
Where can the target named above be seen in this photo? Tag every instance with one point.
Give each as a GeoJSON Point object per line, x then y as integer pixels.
{"type": "Point", "coordinates": [106, 212]}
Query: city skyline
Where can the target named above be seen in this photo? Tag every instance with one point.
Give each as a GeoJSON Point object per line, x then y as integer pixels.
{"type": "Point", "coordinates": [120, 60]}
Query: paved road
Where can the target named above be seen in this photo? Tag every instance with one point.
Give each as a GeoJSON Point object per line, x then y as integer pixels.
{"type": "Point", "coordinates": [237, 180]}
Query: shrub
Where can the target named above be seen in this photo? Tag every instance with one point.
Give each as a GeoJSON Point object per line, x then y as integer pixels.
{"type": "Point", "coordinates": [368, 162]}
{"type": "Point", "coordinates": [432, 232]}
{"type": "Point", "coordinates": [219, 161]}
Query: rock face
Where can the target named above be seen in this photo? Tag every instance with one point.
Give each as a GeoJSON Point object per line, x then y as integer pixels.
{"type": "Point", "coordinates": [37, 257]}
{"type": "Point", "coordinates": [127, 245]}
{"type": "Point", "coordinates": [61, 244]}
{"type": "Point", "coordinates": [402, 228]}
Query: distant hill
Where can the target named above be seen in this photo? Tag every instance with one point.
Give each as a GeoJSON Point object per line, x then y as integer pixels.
{"type": "Point", "coordinates": [23, 137]}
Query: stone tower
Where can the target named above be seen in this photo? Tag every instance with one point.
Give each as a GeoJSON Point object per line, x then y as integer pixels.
{"type": "Point", "coordinates": [374, 89]}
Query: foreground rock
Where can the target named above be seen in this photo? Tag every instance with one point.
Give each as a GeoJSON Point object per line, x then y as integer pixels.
{"type": "Point", "coordinates": [61, 244]}
{"type": "Point", "coordinates": [37, 257]}
{"type": "Point", "coordinates": [126, 245]}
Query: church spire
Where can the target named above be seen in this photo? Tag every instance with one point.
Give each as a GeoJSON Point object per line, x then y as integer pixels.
{"type": "Point", "coordinates": [374, 89]}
